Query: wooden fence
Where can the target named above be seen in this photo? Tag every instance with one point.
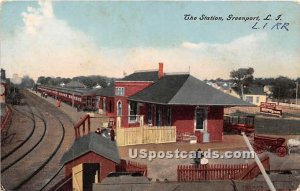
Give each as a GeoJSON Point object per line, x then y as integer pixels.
{"type": "Point", "coordinates": [190, 173]}
{"type": "Point", "coordinates": [145, 135]}
{"type": "Point", "coordinates": [82, 124]}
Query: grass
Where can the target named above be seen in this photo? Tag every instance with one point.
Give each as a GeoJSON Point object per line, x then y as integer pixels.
{"type": "Point", "coordinates": [277, 126]}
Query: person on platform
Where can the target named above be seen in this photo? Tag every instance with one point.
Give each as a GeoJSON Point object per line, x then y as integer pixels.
{"type": "Point", "coordinates": [58, 103]}
{"type": "Point", "coordinates": [98, 131]}
{"type": "Point", "coordinates": [112, 134]}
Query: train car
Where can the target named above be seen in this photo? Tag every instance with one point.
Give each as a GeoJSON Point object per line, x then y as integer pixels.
{"type": "Point", "coordinates": [82, 98]}
{"type": "Point", "coordinates": [239, 123]}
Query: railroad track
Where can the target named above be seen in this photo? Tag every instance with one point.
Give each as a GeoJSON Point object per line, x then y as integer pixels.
{"type": "Point", "coordinates": [38, 145]}
{"type": "Point", "coordinates": [22, 156]}
{"type": "Point", "coordinates": [59, 174]}
{"type": "Point", "coordinates": [3, 157]}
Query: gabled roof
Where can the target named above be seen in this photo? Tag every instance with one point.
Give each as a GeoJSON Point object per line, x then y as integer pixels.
{"type": "Point", "coordinates": [142, 76]}
{"type": "Point", "coordinates": [255, 90]}
{"type": "Point", "coordinates": [75, 84]}
{"type": "Point", "coordinates": [95, 143]}
{"type": "Point", "coordinates": [184, 89]}
{"type": "Point", "coordinates": [108, 91]}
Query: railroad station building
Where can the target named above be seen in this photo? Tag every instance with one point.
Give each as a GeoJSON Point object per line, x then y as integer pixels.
{"type": "Point", "coordinates": [179, 100]}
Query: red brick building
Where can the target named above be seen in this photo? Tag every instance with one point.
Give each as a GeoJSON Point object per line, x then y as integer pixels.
{"type": "Point", "coordinates": [179, 100]}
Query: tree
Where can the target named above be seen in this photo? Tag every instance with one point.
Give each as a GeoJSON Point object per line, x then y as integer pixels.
{"type": "Point", "coordinates": [242, 77]}
{"type": "Point", "coordinates": [41, 80]}
{"type": "Point", "coordinates": [27, 82]}
{"type": "Point", "coordinates": [283, 88]}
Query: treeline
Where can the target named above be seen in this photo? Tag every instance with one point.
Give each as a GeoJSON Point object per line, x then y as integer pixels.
{"type": "Point", "coordinates": [282, 87]}
{"type": "Point", "coordinates": [89, 81]}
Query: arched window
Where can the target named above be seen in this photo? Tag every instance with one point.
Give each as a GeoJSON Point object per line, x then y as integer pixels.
{"type": "Point", "coordinates": [119, 108]}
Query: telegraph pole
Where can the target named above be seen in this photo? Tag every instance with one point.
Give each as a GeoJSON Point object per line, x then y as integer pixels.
{"type": "Point", "coordinates": [242, 91]}
{"type": "Point", "coordinates": [297, 83]}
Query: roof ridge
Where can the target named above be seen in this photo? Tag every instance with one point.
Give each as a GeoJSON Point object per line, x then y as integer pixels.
{"type": "Point", "coordinates": [176, 73]}
{"type": "Point", "coordinates": [151, 70]}
{"type": "Point", "coordinates": [91, 141]}
{"type": "Point", "coordinates": [189, 75]}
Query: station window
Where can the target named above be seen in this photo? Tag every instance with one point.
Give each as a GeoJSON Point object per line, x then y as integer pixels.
{"type": "Point", "coordinates": [133, 111]}
{"type": "Point", "coordinates": [119, 91]}
{"type": "Point", "coordinates": [257, 99]}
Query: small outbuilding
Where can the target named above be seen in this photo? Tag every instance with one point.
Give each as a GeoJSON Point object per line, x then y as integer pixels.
{"type": "Point", "coordinates": [92, 149]}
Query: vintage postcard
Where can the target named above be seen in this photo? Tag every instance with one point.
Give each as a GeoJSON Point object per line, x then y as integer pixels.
{"type": "Point", "coordinates": [150, 95]}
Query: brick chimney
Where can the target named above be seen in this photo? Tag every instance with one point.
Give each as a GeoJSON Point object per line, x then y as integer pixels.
{"type": "Point", "coordinates": [160, 70]}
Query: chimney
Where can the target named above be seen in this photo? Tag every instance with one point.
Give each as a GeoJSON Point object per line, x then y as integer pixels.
{"type": "Point", "coordinates": [160, 70]}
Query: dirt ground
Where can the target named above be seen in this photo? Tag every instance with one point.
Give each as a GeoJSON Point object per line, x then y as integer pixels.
{"type": "Point", "coordinates": [163, 168]}
{"type": "Point", "coordinates": [288, 127]}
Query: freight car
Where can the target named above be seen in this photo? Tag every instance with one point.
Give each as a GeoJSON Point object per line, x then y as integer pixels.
{"type": "Point", "coordinates": [82, 98]}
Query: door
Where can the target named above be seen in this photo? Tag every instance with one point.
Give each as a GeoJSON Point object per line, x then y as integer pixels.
{"type": "Point", "coordinates": [158, 115]}
{"type": "Point", "coordinates": [200, 119]}
{"type": "Point", "coordinates": [104, 105]}
{"type": "Point", "coordinates": [84, 175]}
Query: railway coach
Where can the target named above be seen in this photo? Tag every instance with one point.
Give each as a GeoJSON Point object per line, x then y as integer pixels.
{"type": "Point", "coordinates": [82, 98]}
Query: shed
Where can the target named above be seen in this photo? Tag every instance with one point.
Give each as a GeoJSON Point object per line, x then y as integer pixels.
{"type": "Point", "coordinates": [92, 148]}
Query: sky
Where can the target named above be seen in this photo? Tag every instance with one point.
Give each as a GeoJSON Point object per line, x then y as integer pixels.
{"type": "Point", "coordinates": [72, 38]}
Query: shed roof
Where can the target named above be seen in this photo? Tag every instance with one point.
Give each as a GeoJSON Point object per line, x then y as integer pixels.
{"type": "Point", "coordinates": [184, 89]}
{"type": "Point", "coordinates": [95, 143]}
{"type": "Point", "coordinates": [108, 91]}
{"type": "Point", "coordinates": [142, 76]}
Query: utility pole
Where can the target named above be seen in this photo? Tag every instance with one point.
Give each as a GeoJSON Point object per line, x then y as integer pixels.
{"type": "Point", "coordinates": [242, 90]}
{"type": "Point", "coordinates": [297, 83]}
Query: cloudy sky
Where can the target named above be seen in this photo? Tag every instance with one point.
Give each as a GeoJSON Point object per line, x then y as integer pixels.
{"type": "Point", "coordinates": [57, 38]}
